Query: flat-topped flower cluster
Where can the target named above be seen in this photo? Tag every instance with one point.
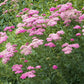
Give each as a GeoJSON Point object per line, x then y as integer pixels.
{"type": "Point", "coordinates": [36, 25]}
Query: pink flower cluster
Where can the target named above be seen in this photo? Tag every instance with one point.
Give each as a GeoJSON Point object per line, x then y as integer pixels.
{"type": "Point", "coordinates": [3, 3]}
{"type": "Point", "coordinates": [78, 34]}
{"type": "Point", "coordinates": [66, 12]}
{"type": "Point", "coordinates": [83, 30]}
{"type": "Point", "coordinates": [52, 8]}
{"type": "Point", "coordinates": [81, 18]}
{"type": "Point", "coordinates": [50, 44]}
{"type": "Point", "coordinates": [8, 52]}
{"type": "Point", "coordinates": [34, 21]}
{"type": "Point", "coordinates": [9, 28]}
{"type": "Point", "coordinates": [37, 67]}
{"type": "Point", "coordinates": [37, 23]}
{"type": "Point", "coordinates": [29, 74]}
{"type": "Point", "coordinates": [3, 37]}
{"type": "Point", "coordinates": [25, 9]}
{"type": "Point", "coordinates": [17, 68]}
{"type": "Point", "coordinates": [83, 8]}
{"type": "Point", "coordinates": [54, 37]}
{"type": "Point", "coordinates": [68, 48]}
{"type": "Point", "coordinates": [77, 27]}
{"type": "Point", "coordinates": [20, 30]}
{"type": "Point", "coordinates": [27, 49]}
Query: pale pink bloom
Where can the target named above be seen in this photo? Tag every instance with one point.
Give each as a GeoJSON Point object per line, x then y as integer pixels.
{"type": "Point", "coordinates": [52, 23]}
{"type": "Point", "coordinates": [55, 0]}
{"type": "Point", "coordinates": [83, 8]}
{"type": "Point", "coordinates": [5, 60]}
{"type": "Point", "coordinates": [31, 4]}
{"type": "Point", "coordinates": [1, 56]}
{"type": "Point", "coordinates": [30, 67]}
{"type": "Point", "coordinates": [75, 45]}
{"type": "Point", "coordinates": [77, 27]}
{"type": "Point", "coordinates": [78, 34]}
{"type": "Point", "coordinates": [21, 13]}
{"type": "Point", "coordinates": [49, 39]}
{"type": "Point", "coordinates": [18, 15]}
{"type": "Point", "coordinates": [20, 71]}
{"type": "Point", "coordinates": [81, 18]}
{"type": "Point", "coordinates": [38, 67]}
{"type": "Point", "coordinates": [3, 37]}
{"type": "Point", "coordinates": [36, 42]}
{"type": "Point", "coordinates": [31, 12]}
{"type": "Point", "coordinates": [67, 52]}
{"type": "Point", "coordinates": [65, 44]}
{"type": "Point", "coordinates": [60, 32]}
{"type": "Point", "coordinates": [29, 74]}
{"type": "Point", "coordinates": [82, 30]}
{"type": "Point", "coordinates": [56, 36]}
{"type": "Point", "coordinates": [7, 53]}
{"type": "Point", "coordinates": [83, 26]}
{"type": "Point", "coordinates": [50, 44]}
{"type": "Point", "coordinates": [26, 50]}
{"type": "Point", "coordinates": [67, 48]}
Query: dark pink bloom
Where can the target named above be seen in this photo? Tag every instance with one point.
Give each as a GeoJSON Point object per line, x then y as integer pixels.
{"type": "Point", "coordinates": [52, 9]}
{"type": "Point", "coordinates": [12, 27]}
{"type": "Point", "coordinates": [25, 60]}
{"type": "Point", "coordinates": [71, 39]}
{"type": "Point", "coordinates": [10, 30]}
{"type": "Point", "coordinates": [43, 14]}
{"type": "Point", "coordinates": [26, 43]}
{"type": "Point", "coordinates": [55, 67]}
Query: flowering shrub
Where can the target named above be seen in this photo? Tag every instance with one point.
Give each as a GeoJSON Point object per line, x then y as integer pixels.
{"type": "Point", "coordinates": [43, 48]}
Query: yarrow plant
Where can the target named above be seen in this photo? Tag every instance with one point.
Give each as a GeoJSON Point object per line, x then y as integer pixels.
{"type": "Point", "coordinates": [40, 46]}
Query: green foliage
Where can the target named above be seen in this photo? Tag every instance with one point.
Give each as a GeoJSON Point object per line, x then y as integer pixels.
{"type": "Point", "coordinates": [70, 67]}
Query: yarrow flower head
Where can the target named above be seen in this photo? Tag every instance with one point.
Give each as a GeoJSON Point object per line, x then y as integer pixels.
{"type": "Point", "coordinates": [68, 47]}
{"type": "Point", "coordinates": [3, 37]}
{"type": "Point", "coordinates": [55, 67]}
{"type": "Point", "coordinates": [77, 27]}
{"type": "Point", "coordinates": [17, 68]}
{"type": "Point", "coordinates": [29, 74]}
{"type": "Point", "coordinates": [8, 52]}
